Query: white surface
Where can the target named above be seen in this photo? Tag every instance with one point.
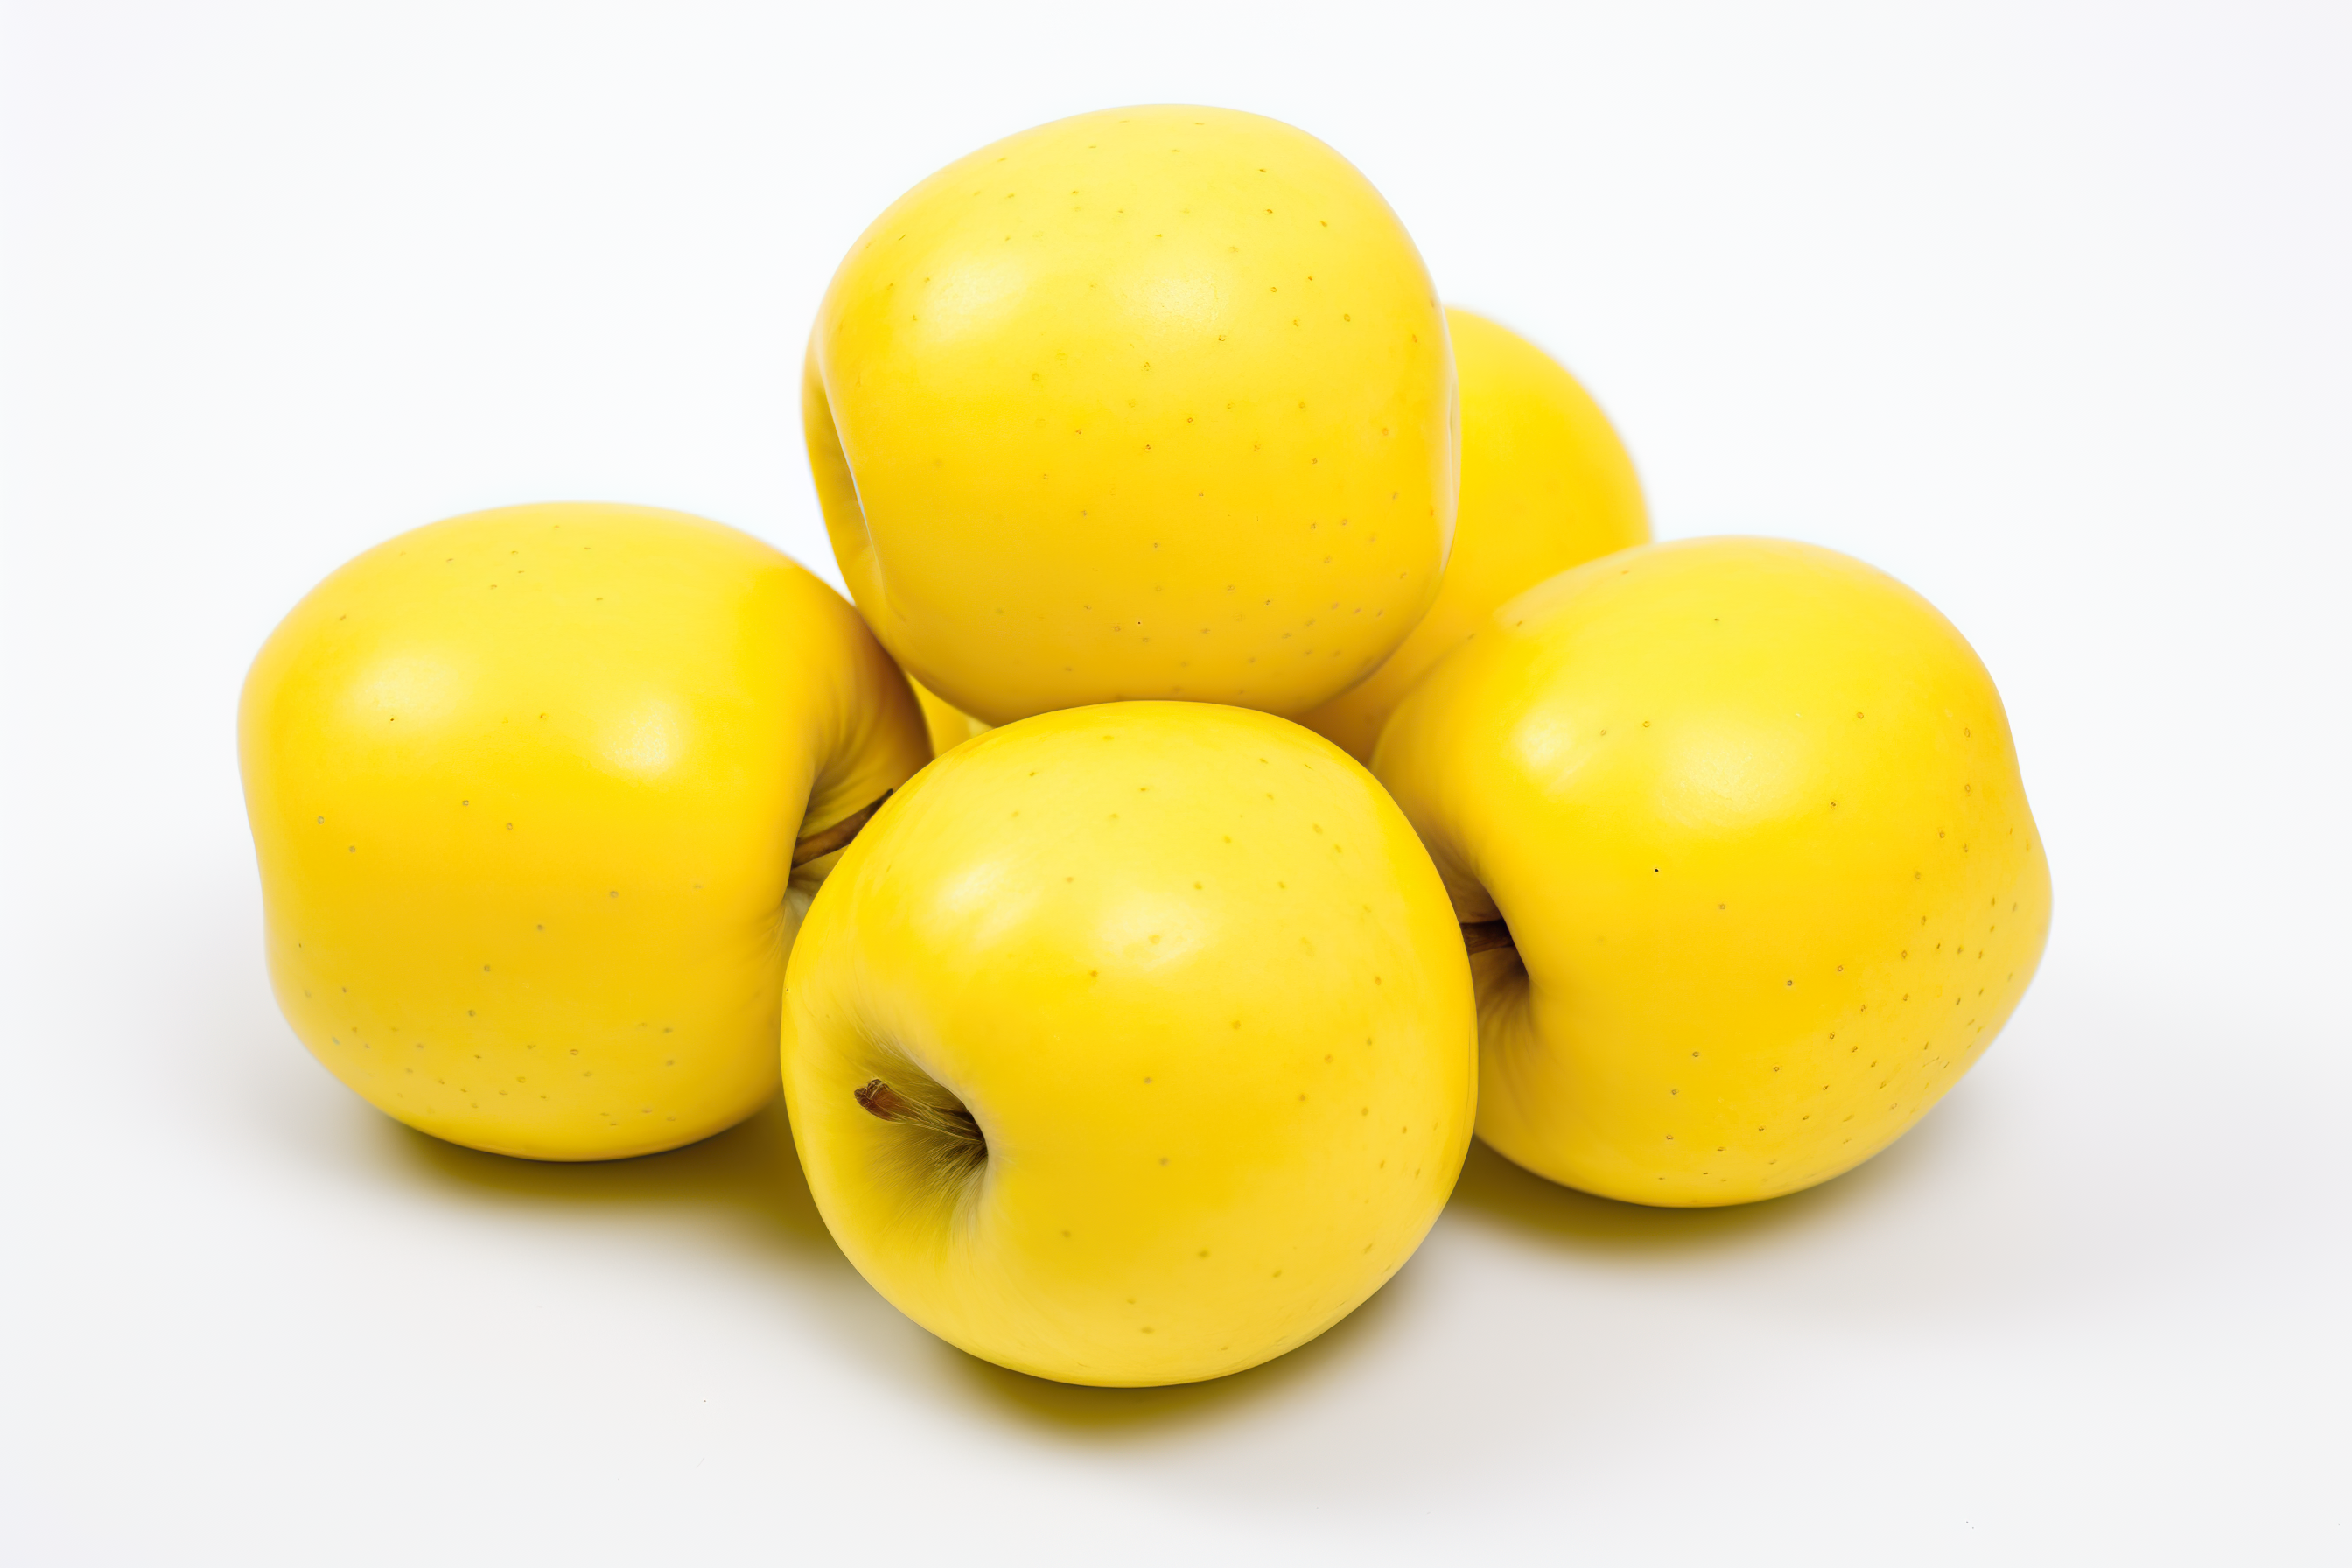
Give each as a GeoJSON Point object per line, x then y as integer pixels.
{"type": "Point", "coordinates": [2043, 309]}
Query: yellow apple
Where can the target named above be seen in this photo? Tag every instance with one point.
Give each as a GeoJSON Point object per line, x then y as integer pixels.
{"type": "Point", "coordinates": [1750, 816]}
{"type": "Point", "coordinates": [525, 787]}
{"type": "Point", "coordinates": [1546, 484]}
{"type": "Point", "coordinates": [1149, 403]}
{"type": "Point", "coordinates": [1132, 1044]}
{"type": "Point", "coordinates": [948, 726]}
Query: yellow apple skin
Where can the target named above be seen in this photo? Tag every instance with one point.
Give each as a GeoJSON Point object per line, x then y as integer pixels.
{"type": "Point", "coordinates": [1151, 403]}
{"type": "Point", "coordinates": [948, 726]}
{"type": "Point", "coordinates": [1546, 484]}
{"type": "Point", "coordinates": [524, 787]}
{"type": "Point", "coordinates": [1197, 981]}
{"type": "Point", "coordinates": [1752, 813]}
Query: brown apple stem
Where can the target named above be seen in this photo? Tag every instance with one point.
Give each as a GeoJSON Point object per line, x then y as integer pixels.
{"type": "Point", "coordinates": [1484, 936]}
{"type": "Point", "coordinates": [827, 840]}
{"type": "Point", "coordinates": [880, 1100]}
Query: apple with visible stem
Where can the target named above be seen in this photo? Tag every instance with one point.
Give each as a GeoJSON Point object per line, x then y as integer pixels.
{"type": "Point", "coordinates": [1132, 1044]}
{"type": "Point", "coordinates": [1741, 829]}
{"type": "Point", "coordinates": [531, 790]}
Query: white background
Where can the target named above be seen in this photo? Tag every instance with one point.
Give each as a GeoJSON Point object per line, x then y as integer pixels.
{"type": "Point", "coordinates": [2042, 308]}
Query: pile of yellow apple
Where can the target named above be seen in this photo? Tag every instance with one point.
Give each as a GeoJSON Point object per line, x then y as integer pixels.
{"type": "Point", "coordinates": [1264, 749]}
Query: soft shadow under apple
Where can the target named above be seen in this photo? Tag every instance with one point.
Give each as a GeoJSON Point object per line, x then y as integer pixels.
{"type": "Point", "coordinates": [1492, 1188]}
{"type": "Point", "coordinates": [752, 1173]}
{"type": "Point", "coordinates": [749, 1172]}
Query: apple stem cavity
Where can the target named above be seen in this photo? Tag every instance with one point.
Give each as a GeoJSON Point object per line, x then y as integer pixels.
{"type": "Point", "coordinates": [827, 840]}
{"type": "Point", "coordinates": [1485, 936]}
{"type": "Point", "coordinates": [953, 1122]}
